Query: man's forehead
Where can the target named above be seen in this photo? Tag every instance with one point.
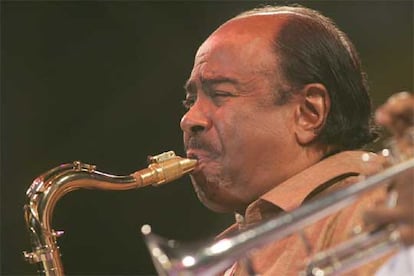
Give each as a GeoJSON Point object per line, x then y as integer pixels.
{"type": "Point", "coordinates": [241, 31]}
{"type": "Point", "coordinates": [240, 46]}
{"type": "Point", "coordinates": [241, 54]}
{"type": "Point", "coordinates": [234, 43]}
{"type": "Point", "coordinates": [237, 44]}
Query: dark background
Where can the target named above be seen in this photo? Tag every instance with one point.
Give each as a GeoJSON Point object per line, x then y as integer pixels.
{"type": "Point", "coordinates": [102, 82]}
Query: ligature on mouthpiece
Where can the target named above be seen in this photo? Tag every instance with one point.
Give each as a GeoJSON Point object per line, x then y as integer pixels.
{"type": "Point", "coordinates": [163, 168]}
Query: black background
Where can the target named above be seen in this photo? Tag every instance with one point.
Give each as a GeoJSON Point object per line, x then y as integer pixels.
{"type": "Point", "coordinates": [102, 82]}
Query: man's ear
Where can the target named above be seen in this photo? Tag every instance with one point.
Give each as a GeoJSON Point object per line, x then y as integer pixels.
{"type": "Point", "coordinates": [311, 112]}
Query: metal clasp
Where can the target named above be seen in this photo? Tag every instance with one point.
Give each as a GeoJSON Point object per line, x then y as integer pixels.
{"type": "Point", "coordinates": [161, 157]}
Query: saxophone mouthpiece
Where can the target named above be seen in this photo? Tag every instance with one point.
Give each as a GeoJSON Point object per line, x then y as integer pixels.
{"type": "Point", "coordinates": [164, 168]}
{"type": "Point", "coordinates": [188, 165]}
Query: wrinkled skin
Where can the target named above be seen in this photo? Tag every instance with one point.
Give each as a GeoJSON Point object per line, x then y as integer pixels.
{"type": "Point", "coordinates": [245, 143]}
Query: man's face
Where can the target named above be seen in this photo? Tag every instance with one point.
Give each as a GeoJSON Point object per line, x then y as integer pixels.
{"type": "Point", "coordinates": [242, 140]}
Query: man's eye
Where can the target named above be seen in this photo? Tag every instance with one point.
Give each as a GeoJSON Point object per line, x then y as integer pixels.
{"type": "Point", "coordinates": [220, 97]}
{"type": "Point", "coordinates": [215, 94]}
{"type": "Point", "coordinates": [188, 102]}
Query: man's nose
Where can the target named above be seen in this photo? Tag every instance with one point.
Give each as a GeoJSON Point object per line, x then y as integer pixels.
{"type": "Point", "coordinates": [195, 120]}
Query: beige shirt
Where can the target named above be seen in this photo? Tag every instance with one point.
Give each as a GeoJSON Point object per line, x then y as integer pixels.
{"type": "Point", "coordinates": [287, 256]}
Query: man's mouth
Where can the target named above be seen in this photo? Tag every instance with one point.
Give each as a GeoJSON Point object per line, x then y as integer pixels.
{"type": "Point", "coordinates": [191, 154]}
{"type": "Point", "coordinates": [201, 156]}
{"type": "Point", "coordinates": [197, 154]}
{"type": "Point", "coordinates": [203, 152]}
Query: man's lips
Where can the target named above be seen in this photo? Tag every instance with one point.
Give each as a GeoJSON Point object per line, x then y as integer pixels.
{"type": "Point", "coordinates": [196, 154]}
{"type": "Point", "coordinates": [200, 155]}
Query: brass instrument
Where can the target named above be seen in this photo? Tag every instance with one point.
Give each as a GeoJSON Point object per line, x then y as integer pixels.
{"type": "Point", "coordinates": [215, 256]}
{"type": "Point", "coordinates": [48, 188]}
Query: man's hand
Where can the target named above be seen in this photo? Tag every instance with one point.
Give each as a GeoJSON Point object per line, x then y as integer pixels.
{"type": "Point", "coordinates": [397, 115]}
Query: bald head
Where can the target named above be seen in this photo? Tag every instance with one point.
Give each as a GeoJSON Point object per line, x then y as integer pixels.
{"type": "Point", "coordinates": [249, 42]}
{"type": "Point", "coordinates": [307, 47]}
{"type": "Point", "coordinates": [258, 23]}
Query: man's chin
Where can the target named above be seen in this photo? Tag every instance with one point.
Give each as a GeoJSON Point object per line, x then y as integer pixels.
{"type": "Point", "coordinates": [208, 194]}
{"type": "Point", "coordinates": [213, 206]}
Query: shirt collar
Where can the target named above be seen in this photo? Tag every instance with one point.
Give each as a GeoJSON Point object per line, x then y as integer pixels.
{"type": "Point", "coordinates": [291, 193]}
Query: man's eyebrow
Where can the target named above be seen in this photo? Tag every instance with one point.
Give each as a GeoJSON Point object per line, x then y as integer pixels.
{"type": "Point", "coordinates": [218, 80]}
{"type": "Point", "coordinates": [189, 86]}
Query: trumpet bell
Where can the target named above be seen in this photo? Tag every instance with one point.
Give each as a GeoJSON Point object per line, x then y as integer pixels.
{"type": "Point", "coordinates": [172, 258]}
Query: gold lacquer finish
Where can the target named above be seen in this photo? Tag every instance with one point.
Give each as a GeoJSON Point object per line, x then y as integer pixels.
{"type": "Point", "coordinates": [48, 188]}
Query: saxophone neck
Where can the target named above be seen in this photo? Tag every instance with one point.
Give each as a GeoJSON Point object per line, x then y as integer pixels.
{"type": "Point", "coordinates": [48, 188]}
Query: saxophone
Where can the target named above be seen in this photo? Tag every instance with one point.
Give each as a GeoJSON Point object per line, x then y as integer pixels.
{"type": "Point", "coordinates": [48, 188]}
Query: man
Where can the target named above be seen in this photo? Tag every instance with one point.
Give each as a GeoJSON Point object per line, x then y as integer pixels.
{"type": "Point", "coordinates": [277, 103]}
